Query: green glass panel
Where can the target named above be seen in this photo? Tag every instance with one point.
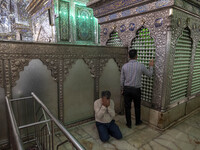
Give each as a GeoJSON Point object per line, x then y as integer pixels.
{"type": "Point", "coordinates": [84, 24]}
{"type": "Point", "coordinates": [196, 72]}
{"type": "Point", "coordinates": [64, 21]}
{"type": "Point", "coordinates": [144, 44]}
{"type": "Point", "coordinates": [99, 31]}
{"type": "Point", "coordinates": [114, 40]}
{"type": "Point", "coordinates": [181, 67]}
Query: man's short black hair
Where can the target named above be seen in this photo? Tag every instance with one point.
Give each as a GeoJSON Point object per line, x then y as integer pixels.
{"type": "Point", "coordinates": [106, 94]}
{"type": "Point", "coordinates": [133, 54]}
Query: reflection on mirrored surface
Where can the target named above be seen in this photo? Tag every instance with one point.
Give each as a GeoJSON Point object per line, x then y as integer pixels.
{"type": "Point", "coordinates": [49, 21]}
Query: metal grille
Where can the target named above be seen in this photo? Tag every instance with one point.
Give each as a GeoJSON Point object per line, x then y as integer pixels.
{"type": "Point", "coordinates": [114, 40]}
{"type": "Point", "coordinates": [144, 44]}
{"type": "Point", "coordinates": [196, 73]}
{"type": "Point", "coordinates": [181, 66]}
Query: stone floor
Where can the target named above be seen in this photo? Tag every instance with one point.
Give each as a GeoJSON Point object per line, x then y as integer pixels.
{"type": "Point", "coordinates": [182, 136]}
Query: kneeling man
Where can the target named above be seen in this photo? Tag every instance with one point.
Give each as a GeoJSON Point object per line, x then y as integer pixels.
{"type": "Point", "coordinates": [104, 114]}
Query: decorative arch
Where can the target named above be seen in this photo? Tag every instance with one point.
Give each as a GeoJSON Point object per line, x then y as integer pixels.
{"type": "Point", "coordinates": [103, 63]}
{"type": "Point", "coordinates": [17, 65]}
{"type": "Point", "coordinates": [83, 85]}
{"type": "Point", "coordinates": [110, 81]}
{"type": "Point", "coordinates": [52, 65]}
{"type": "Point", "coordinates": [145, 46]}
{"type": "Point", "coordinates": [178, 30]}
{"type": "Point", "coordinates": [114, 39]}
{"type": "Point", "coordinates": [181, 66]}
{"type": "Point", "coordinates": [120, 62]}
{"type": "Point", "coordinates": [196, 72]}
{"type": "Point", "coordinates": [68, 65]}
{"type": "Point", "coordinates": [152, 32]}
{"type": "Point", "coordinates": [91, 64]}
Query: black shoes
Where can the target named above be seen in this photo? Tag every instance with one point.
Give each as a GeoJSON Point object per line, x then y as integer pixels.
{"type": "Point", "coordinates": [129, 126]}
{"type": "Point", "coordinates": [138, 123]}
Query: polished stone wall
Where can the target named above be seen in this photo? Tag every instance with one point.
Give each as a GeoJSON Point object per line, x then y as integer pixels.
{"type": "Point", "coordinates": [78, 93]}
{"type": "Point", "coordinates": [67, 78]}
{"type": "Point", "coordinates": [3, 118]}
{"type": "Point", "coordinates": [37, 78]}
{"type": "Point", "coordinates": [110, 80]}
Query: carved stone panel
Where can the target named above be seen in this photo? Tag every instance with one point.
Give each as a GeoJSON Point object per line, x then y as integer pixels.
{"type": "Point", "coordinates": [1, 73]}
{"type": "Point", "coordinates": [15, 56]}
{"type": "Point", "coordinates": [110, 80]}
{"type": "Point", "coordinates": [8, 82]}
{"type": "Point", "coordinates": [3, 119]}
{"type": "Point", "coordinates": [17, 65]}
{"type": "Point", "coordinates": [52, 64]}
{"type": "Point", "coordinates": [92, 65]}
{"type": "Point", "coordinates": [102, 64]}
{"type": "Point", "coordinates": [37, 78]}
{"type": "Point", "coordinates": [78, 93]}
{"type": "Point", "coordinates": [68, 65]}
{"type": "Point", "coordinates": [120, 62]}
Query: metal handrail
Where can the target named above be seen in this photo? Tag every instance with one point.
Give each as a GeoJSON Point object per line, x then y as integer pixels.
{"type": "Point", "coordinates": [74, 142]}
{"type": "Point", "coordinates": [13, 123]}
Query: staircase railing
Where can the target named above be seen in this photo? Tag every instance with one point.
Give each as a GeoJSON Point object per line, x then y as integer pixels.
{"type": "Point", "coordinates": [15, 136]}
{"type": "Point", "coordinates": [40, 133]}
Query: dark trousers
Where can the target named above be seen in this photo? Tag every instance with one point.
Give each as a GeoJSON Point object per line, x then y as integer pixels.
{"type": "Point", "coordinates": [131, 93]}
{"type": "Point", "coordinates": [106, 129]}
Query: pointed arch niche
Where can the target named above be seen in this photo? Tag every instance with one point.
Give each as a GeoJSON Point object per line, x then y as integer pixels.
{"type": "Point", "coordinates": [145, 46]}
{"type": "Point", "coordinates": [181, 66]}
{"type": "Point", "coordinates": [110, 80]}
{"type": "Point", "coordinates": [78, 93]}
{"type": "Point", "coordinates": [114, 39]}
{"type": "Point", "coordinates": [35, 78]}
{"type": "Point", "coordinates": [196, 72]}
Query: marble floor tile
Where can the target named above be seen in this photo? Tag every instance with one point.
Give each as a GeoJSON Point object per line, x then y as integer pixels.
{"type": "Point", "coordinates": [184, 136]}
{"type": "Point", "coordinates": [188, 129]}
{"type": "Point", "coordinates": [125, 130]}
{"type": "Point", "coordinates": [193, 121]}
{"type": "Point", "coordinates": [176, 140]}
{"type": "Point", "coordinates": [91, 130]}
{"type": "Point", "coordinates": [122, 145]}
{"type": "Point", "coordinates": [146, 147]}
{"type": "Point", "coordinates": [79, 133]}
{"type": "Point", "coordinates": [141, 137]}
{"type": "Point", "coordinates": [92, 144]}
{"type": "Point", "coordinates": [152, 145]}
{"type": "Point", "coordinates": [166, 143]}
{"type": "Point", "coordinates": [197, 147]}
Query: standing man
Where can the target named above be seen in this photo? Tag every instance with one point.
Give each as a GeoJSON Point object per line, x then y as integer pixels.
{"type": "Point", "coordinates": [131, 74]}
{"type": "Point", "coordinates": [104, 114]}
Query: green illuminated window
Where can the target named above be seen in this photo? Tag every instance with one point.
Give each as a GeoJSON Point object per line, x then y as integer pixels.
{"type": "Point", "coordinates": [144, 44]}
{"type": "Point", "coordinates": [114, 40]}
{"type": "Point", "coordinates": [181, 66]}
{"type": "Point", "coordinates": [196, 72]}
